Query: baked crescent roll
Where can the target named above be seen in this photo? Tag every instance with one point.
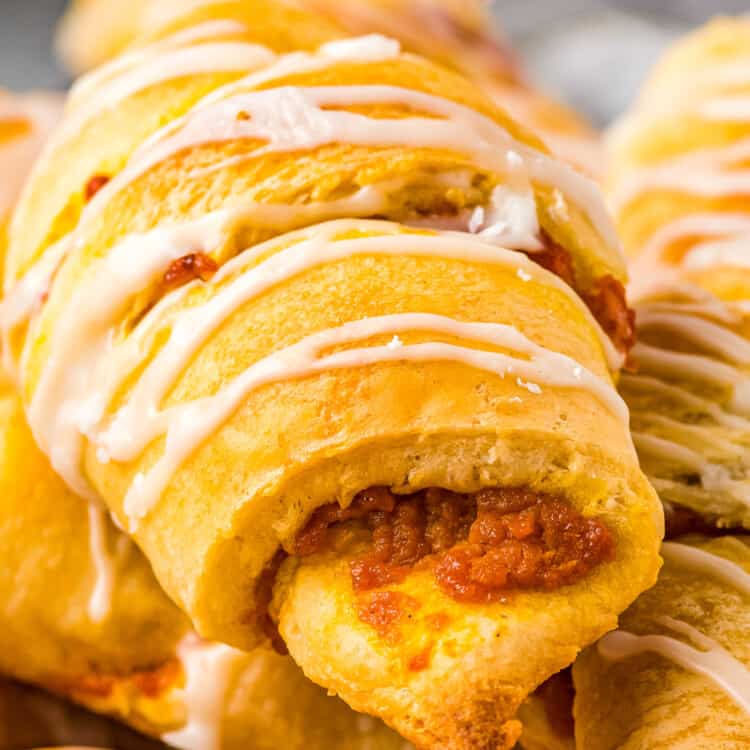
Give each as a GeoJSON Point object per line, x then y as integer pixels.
{"type": "Point", "coordinates": [461, 34]}
{"type": "Point", "coordinates": [393, 433]}
{"type": "Point", "coordinates": [676, 674]}
{"type": "Point", "coordinates": [679, 186]}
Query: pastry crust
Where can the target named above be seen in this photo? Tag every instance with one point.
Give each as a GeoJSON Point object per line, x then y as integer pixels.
{"type": "Point", "coordinates": [679, 187]}
{"type": "Point", "coordinates": [650, 700]}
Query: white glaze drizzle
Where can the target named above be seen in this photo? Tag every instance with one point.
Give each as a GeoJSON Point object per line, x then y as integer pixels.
{"type": "Point", "coordinates": [704, 224]}
{"type": "Point", "coordinates": [708, 336]}
{"type": "Point", "coordinates": [84, 376]}
{"type": "Point", "coordinates": [706, 562]}
{"type": "Point", "coordinates": [209, 669]}
{"type": "Point", "coordinates": [100, 601]}
{"type": "Point", "coordinates": [734, 251]}
{"type": "Point", "coordinates": [707, 658]}
{"type": "Point", "coordinates": [197, 59]}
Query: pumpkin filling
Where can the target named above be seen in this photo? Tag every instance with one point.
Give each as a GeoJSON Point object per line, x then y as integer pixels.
{"type": "Point", "coordinates": [479, 546]}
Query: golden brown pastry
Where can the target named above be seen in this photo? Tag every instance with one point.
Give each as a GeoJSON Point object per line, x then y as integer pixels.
{"type": "Point", "coordinates": [397, 443]}
{"type": "Point", "coordinates": [676, 676]}
{"type": "Point", "coordinates": [679, 187]}
{"type": "Point", "coordinates": [461, 34]}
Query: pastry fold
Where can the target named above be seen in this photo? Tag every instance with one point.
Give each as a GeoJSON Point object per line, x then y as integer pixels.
{"type": "Point", "coordinates": [430, 357]}
{"type": "Point", "coordinates": [676, 674]}
{"type": "Point", "coordinates": [679, 187]}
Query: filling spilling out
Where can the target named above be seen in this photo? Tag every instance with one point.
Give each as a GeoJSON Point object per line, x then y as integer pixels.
{"type": "Point", "coordinates": [479, 547]}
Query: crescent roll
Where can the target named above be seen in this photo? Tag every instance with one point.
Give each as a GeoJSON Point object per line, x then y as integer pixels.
{"type": "Point", "coordinates": [679, 187]}
{"type": "Point", "coordinates": [336, 344]}
{"type": "Point", "coordinates": [676, 675]}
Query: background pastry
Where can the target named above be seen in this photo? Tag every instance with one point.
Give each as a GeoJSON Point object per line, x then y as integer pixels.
{"type": "Point", "coordinates": [679, 189]}
{"type": "Point", "coordinates": [676, 673]}
{"type": "Point", "coordinates": [381, 358]}
{"type": "Point", "coordinates": [679, 665]}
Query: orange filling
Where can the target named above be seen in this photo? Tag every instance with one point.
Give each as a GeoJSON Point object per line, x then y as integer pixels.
{"type": "Point", "coordinates": [94, 185]}
{"type": "Point", "coordinates": [606, 299]}
{"type": "Point", "coordinates": [479, 546]}
{"type": "Point", "coordinates": [187, 268]}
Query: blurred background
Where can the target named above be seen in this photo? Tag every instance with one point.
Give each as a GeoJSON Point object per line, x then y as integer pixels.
{"type": "Point", "coordinates": [591, 53]}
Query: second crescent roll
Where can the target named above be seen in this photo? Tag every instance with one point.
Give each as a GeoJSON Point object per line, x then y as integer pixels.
{"type": "Point", "coordinates": [676, 676]}
{"type": "Point", "coordinates": [679, 185]}
{"type": "Point", "coordinates": [391, 434]}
